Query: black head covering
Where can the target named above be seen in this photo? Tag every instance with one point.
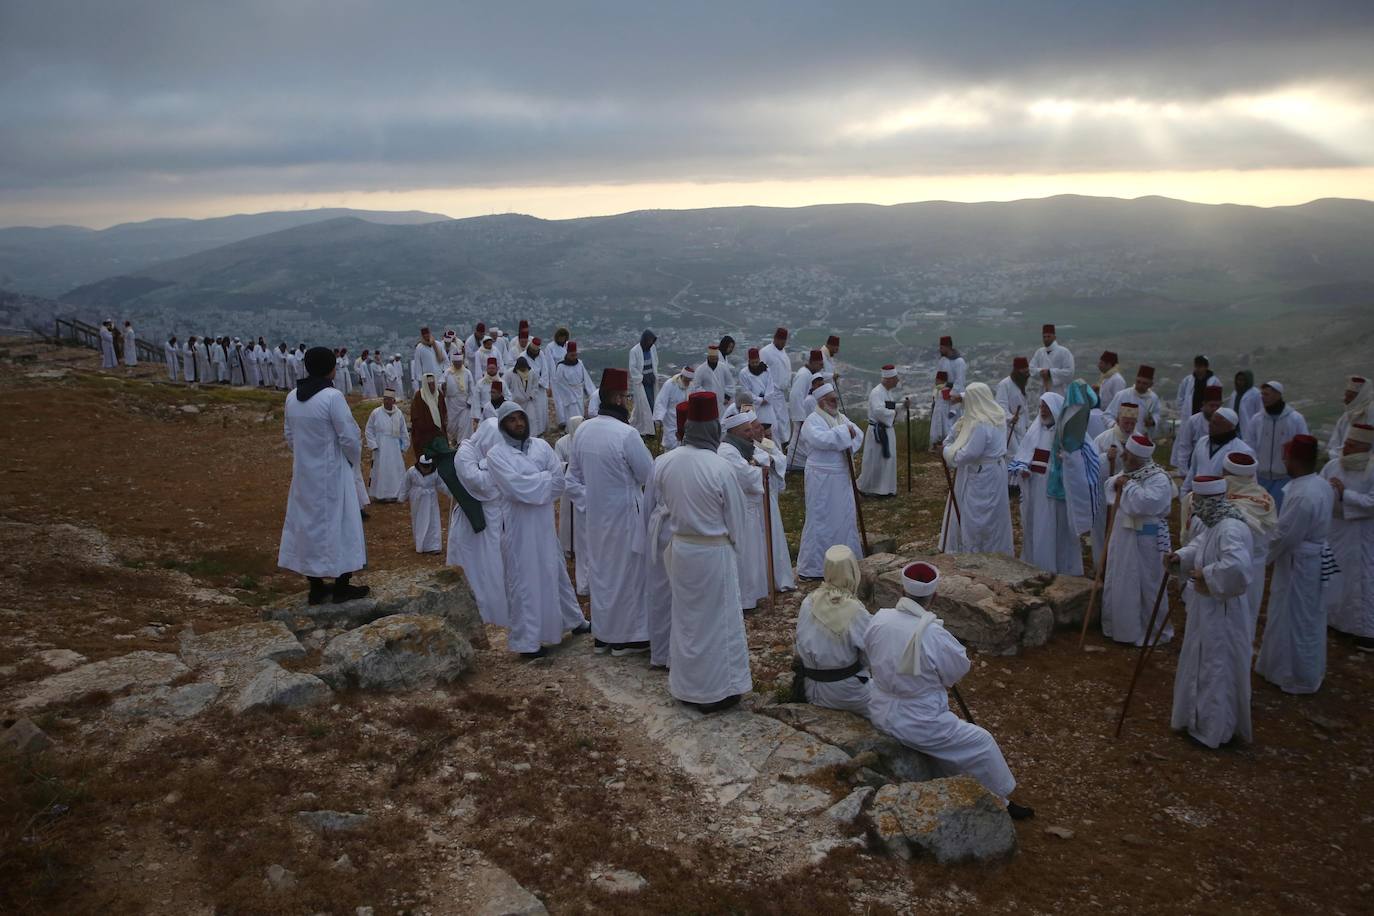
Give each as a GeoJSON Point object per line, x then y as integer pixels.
{"type": "Point", "coordinates": [319, 362]}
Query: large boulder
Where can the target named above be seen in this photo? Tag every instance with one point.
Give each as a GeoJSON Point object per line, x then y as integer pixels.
{"type": "Point", "coordinates": [402, 651]}
{"type": "Point", "coordinates": [113, 675]}
{"type": "Point", "coordinates": [952, 820]}
{"type": "Point", "coordinates": [855, 735]}
{"type": "Point", "coordinates": [167, 702]}
{"type": "Point", "coordinates": [242, 645]}
{"type": "Point", "coordinates": [273, 685]}
{"type": "Point", "coordinates": [444, 594]}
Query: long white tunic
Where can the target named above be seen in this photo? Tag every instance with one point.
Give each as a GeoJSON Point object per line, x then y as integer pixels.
{"type": "Point", "coordinates": [1047, 538]}
{"type": "Point", "coordinates": [1148, 422]}
{"type": "Point", "coordinates": [878, 476]}
{"type": "Point", "coordinates": [1212, 685]}
{"type": "Point", "coordinates": [779, 363]}
{"type": "Point", "coordinates": [777, 483]}
{"type": "Point", "coordinates": [1110, 387]}
{"type": "Point", "coordinates": [1342, 429]}
{"type": "Point", "coordinates": [658, 588]}
{"type": "Point", "coordinates": [1206, 462]}
{"type": "Point", "coordinates": [752, 549]}
{"type": "Point", "coordinates": [1349, 596]}
{"type": "Point", "coordinates": [764, 393]}
{"type": "Point", "coordinates": [427, 358]}
{"type": "Point", "coordinates": [323, 531]}
{"type": "Point", "coordinates": [479, 552]}
{"type": "Point", "coordinates": [1059, 361]}
{"type": "Point", "coordinates": [983, 524]}
{"type": "Point", "coordinates": [1250, 404]}
{"type": "Point", "coordinates": [130, 347]}
{"type": "Point", "coordinates": [525, 392]}
{"type": "Point", "coordinates": [172, 356]}
{"type": "Point", "coordinates": [831, 516]}
{"type": "Point", "coordinates": [422, 493]}
{"type": "Point", "coordinates": [665, 409]}
{"type": "Point", "coordinates": [799, 407]}
{"type": "Point", "coordinates": [388, 439]}
{"type": "Point", "coordinates": [1268, 434]}
{"type": "Point", "coordinates": [1135, 562]}
{"type": "Point", "coordinates": [914, 709]}
{"type": "Point", "coordinates": [611, 463]}
{"type": "Point", "coordinates": [220, 359]}
{"type": "Point", "coordinates": [572, 519]}
{"type": "Point", "coordinates": [820, 648]}
{"type": "Point", "coordinates": [712, 380]}
{"type": "Point", "coordinates": [188, 361]}
{"type": "Point", "coordinates": [1183, 401]}
{"type": "Point", "coordinates": [107, 350]}
{"type": "Point", "coordinates": [642, 412]}
{"type": "Point", "coordinates": [1293, 653]}
{"type": "Point", "coordinates": [709, 651]}
{"type": "Point", "coordinates": [572, 386]}
{"type": "Point", "coordinates": [460, 396]}
{"type": "Point", "coordinates": [542, 604]}
{"type": "Point", "coordinates": [1013, 401]}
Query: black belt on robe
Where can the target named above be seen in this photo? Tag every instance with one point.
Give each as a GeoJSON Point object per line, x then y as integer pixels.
{"type": "Point", "coordinates": [442, 455]}
{"type": "Point", "coordinates": [880, 436]}
{"type": "Point", "coordinates": [801, 674]}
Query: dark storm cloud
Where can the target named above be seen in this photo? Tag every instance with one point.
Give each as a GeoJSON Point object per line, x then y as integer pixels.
{"type": "Point", "coordinates": [312, 96]}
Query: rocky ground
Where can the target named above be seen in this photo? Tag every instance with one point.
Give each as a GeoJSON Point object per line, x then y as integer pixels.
{"type": "Point", "coordinates": [203, 767]}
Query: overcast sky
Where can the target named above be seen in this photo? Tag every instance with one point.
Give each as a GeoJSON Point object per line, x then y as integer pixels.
{"type": "Point", "coordinates": [127, 110]}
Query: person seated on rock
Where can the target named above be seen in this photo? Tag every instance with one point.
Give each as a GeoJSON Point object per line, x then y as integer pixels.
{"type": "Point", "coordinates": [914, 662]}
{"type": "Point", "coordinates": [829, 668]}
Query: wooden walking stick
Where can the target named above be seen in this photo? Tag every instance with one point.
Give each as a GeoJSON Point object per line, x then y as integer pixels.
{"type": "Point", "coordinates": [908, 443]}
{"type": "Point", "coordinates": [1146, 645]}
{"type": "Point", "coordinates": [959, 698]}
{"type": "Point", "coordinates": [1102, 567]}
{"type": "Point", "coordinates": [858, 500]}
{"type": "Point", "coordinates": [1015, 417]}
{"type": "Point", "coordinates": [952, 500]}
{"type": "Point", "coordinates": [768, 537]}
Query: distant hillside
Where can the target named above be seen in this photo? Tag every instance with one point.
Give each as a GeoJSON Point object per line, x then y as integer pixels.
{"type": "Point", "coordinates": [52, 260]}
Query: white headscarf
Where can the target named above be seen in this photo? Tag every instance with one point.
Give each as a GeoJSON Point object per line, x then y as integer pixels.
{"type": "Point", "coordinates": [979, 407]}
{"type": "Point", "coordinates": [1359, 405]}
{"type": "Point", "coordinates": [431, 398]}
{"type": "Point", "coordinates": [834, 604]}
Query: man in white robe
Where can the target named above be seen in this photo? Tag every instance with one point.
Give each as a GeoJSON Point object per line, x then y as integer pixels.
{"type": "Point", "coordinates": [422, 493]}
{"type": "Point", "coordinates": [1268, 431]}
{"type": "Point", "coordinates": [393, 375]}
{"type": "Point", "coordinates": [644, 381]}
{"type": "Point", "coordinates": [1110, 381]}
{"type": "Point", "coordinates": [832, 623]}
{"type": "Point", "coordinates": [460, 396]}
{"type": "Point", "coordinates": [709, 665]}
{"type": "Point", "coordinates": [1358, 408]}
{"type": "Point", "coordinates": [942, 410]}
{"type": "Point", "coordinates": [572, 514]}
{"type": "Point", "coordinates": [915, 662]}
{"type": "Point", "coordinates": [1135, 561]}
{"type": "Point", "coordinates": [797, 407]}
{"type": "Point", "coordinates": [658, 588]}
{"type": "Point", "coordinates": [1052, 364]}
{"type": "Point", "coordinates": [1222, 438]}
{"type": "Point", "coordinates": [1293, 652]}
{"type": "Point", "coordinates": [529, 476]}
{"type": "Point", "coordinates": [473, 341]}
{"type": "Point", "coordinates": [1350, 594]}
{"type": "Point", "coordinates": [572, 386]}
{"type": "Point", "coordinates": [365, 386]}
{"type": "Point", "coordinates": [673, 393]}
{"type": "Point", "coordinates": [830, 360]}
{"type": "Point", "coordinates": [238, 370]}
{"type": "Point", "coordinates": [171, 354]}
{"type": "Point", "coordinates": [322, 535]}
{"type": "Point", "coordinates": [711, 375]}
{"type": "Point", "coordinates": [219, 359]}
{"type": "Point", "coordinates": [779, 363]}
{"type": "Point", "coordinates": [955, 370]}
{"type": "Point", "coordinates": [429, 356]}
{"type": "Point", "coordinates": [611, 463]}
{"type": "Point", "coordinates": [1192, 392]}
{"type": "Point", "coordinates": [1245, 398]}
{"type": "Point", "coordinates": [831, 514]}
{"type": "Point", "coordinates": [206, 374]}
{"type": "Point", "coordinates": [521, 385]}
{"type": "Point", "coordinates": [878, 475]}
{"type": "Point", "coordinates": [479, 552]}
{"type": "Point", "coordinates": [107, 347]}
{"type": "Point", "coordinates": [281, 372]}
{"type": "Point", "coordinates": [1047, 539]}
{"type": "Point", "coordinates": [777, 483]}
{"type": "Point", "coordinates": [1192, 429]}
{"type": "Point", "coordinates": [1011, 397]}
{"type": "Point", "coordinates": [1212, 684]}
{"type": "Point", "coordinates": [738, 449]}
{"type": "Point", "coordinates": [1142, 395]}
{"type": "Point", "coordinates": [757, 382]}
{"type": "Point", "coordinates": [188, 358]}
{"type": "Point", "coordinates": [130, 345]}
{"type": "Point", "coordinates": [387, 440]}
{"type": "Point", "coordinates": [976, 455]}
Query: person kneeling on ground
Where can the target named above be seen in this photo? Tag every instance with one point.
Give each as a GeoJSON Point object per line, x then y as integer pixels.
{"type": "Point", "coordinates": [915, 661]}
{"type": "Point", "coordinates": [829, 669]}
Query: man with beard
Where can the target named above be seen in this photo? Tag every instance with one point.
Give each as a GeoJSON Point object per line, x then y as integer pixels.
{"type": "Point", "coordinates": [709, 653]}
{"type": "Point", "coordinates": [1359, 408]}
{"type": "Point", "coordinates": [428, 417]}
{"type": "Point", "coordinates": [491, 372]}
{"type": "Point", "coordinates": [529, 477]}
{"type": "Point", "coordinates": [130, 354]}
{"type": "Point", "coordinates": [1142, 395]}
{"type": "Point", "coordinates": [521, 385]}
{"type": "Point", "coordinates": [1110, 381]}
{"type": "Point", "coordinates": [496, 396]}
{"type": "Point", "coordinates": [779, 363]}
{"type": "Point", "coordinates": [644, 379]}
{"type": "Point", "coordinates": [474, 341]}
{"type": "Point", "coordinates": [976, 452]}
{"type": "Point", "coordinates": [322, 535]}
{"type": "Point", "coordinates": [572, 386]}
{"type": "Point", "coordinates": [1140, 540]}
{"type": "Point", "coordinates": [1221, 439]}
{"type": "Point", "coordinates": [711, 376]}
{"type": "Point", "coordinates": [387, 440]}
{"type": "Point", "coordinates": [1246, 401]}
{"type": "Point", "coordinates": [1011, 397]}
{"type": "Point", "coordinates": [460, 398]}
{"type": "Point", "coordinates": [955, 368]}
{"type": "Point", "coordinates": [797, 408]}
{"type": "Point", "coordinates": [1191, 395]}
{"type": "Point", "coordinates": [675, 391]}
{"type": "Point", "coordinates": [1268, 431]}
{"type": "Point", "coordinates": [831, 515]}
{"type": "Point", "coordinates": [611, 464]}
{"type": "Point", "coordinates": [1350, 595]}
{"type": "Point", "coordinates": [879, 472]}
{"type": "Point", "coordinates": [757, 382]}
{"type": "Point", "coordinates": [1053, 363]}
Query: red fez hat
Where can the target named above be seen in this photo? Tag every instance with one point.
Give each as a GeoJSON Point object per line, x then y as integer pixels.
{"type": "Point", "coordinates": [702, 407]}
{"type": "Point", "coordinates": [1212, 393]}
{"type": "Point", "coordinates": [780, 332]}
{"type": "Point", "coordinates": [1110, 357]}
{"type": "Point", "coordinates": [681, 418]}
{"type": "Point", "coordinates": [492, 361]}
{"type": "Point", "coordinates": [1020, 362]}
{"type": "Point", "coordinates": [1240, 458]}
{"type": "Point", "coordinates": [535, 341]}
{"type": "Point", "coordinates": [942, 376]}
{"type": "Point", "coordinates": [614, 380]}
{"type": "Point", "coordinates": [572, 346]}
{"type": "Point", "coordinates": [946, 341]}
{"type": "Point", "coordinates": [497, 386]}
{"type": "Point", "coordinates": [1358, 379]}
{"type": "Point", "coordinates": [816, 357]}
{"type": "Point", "coordinates": [753, 352]}
{"type": "Point", "coordinates": [481, 327]}
{"type": "Point", "coordinates": [1047, 329]}
{"type": "Point", "coordinates": [1302, 447]}
{"type": "Point", "coordinates": [1146, 372]}
{"type": "Point", "coordinates": [889, 367]}
{"type": "Point", "coordinates": [833, 340]}
{"type": "Point", "coordinates": [524, 324]}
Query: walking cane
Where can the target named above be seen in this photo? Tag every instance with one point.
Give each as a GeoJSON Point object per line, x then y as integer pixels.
{"type": "Point", "coordinates": [1015, 417]}
{"type": "Point", "coordinates": [1102, 567]}
{"type": "Point", "coordinates": [958, 698]}
{"type": "Point", "coordinates": [1145, 647]}
{"type": "Point", "coordinates": [953, 500]}
{"type": "Point", "coordinates": [908, 443]}
{"type": "Point", "coordinates": [858, 501]}
{"type": "Point", "coordinates": [768, 537]}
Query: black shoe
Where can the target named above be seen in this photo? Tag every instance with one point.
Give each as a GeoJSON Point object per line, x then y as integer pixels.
{"type": "Point", "coordinates": [719, 705]}
{"type": "Point", "coordinates": [344, 593]}
{"type": "Point", "coordinates": [583, 628]}
{"type": "Point", "coordinates": [531, 656]}
{"type": "Point", "coordinates": [1020, 812]}
{"type": "Point", "coordinates": [810, 578]}
{"type": "Point", "coordinates": [599, 647]}
{"type": "Point", "coordinates": [319, 594]}
{"type": "Point", "coordinates": [1364, 643]}
{"type": "Point", "coordinates": [363, 513]}
{"type": "Point", "coordinates": [629, 648]}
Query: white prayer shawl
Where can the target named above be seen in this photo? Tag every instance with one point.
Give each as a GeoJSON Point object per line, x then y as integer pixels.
{"type": "Point", "coordinates": [821, 649]}
{"type": "Point", "coordinates": [1019, 415]}
{"type": "Point", "coordinates": [658, 589]}
{"type": "Point", "coordinates": [388, 439]}
{"type": "Point", "coordinates": [980, 485]}
{"type": "Point", "coordinates": [1148, 422]}
{"type": "Point", "coordinates": [765, 394]}
{"type": "Point", "coordinates": [1293, 653]}
{"type": "Point", "coordinates": [421, 491]}
{"type": "Point", "coordinates": [1205, 464]}
{"type": "Point", "coordinates": [107, 350]}
{"type": "Point", "coordinates": [1047, 538]}
{"type": "Point", "coordinates": [130, 347]}
{"type": "Point", "coordinates": [712, 380]}
{"type": "Point", "coordinates": [830, 510]}
{"type": "Point", "coordinates": [250, 367]}
{"type": "Point", "coordinates": [572, 517]}
{"type": "Point", "coordinates": [641, 411]}
{"type": "Point", "coordinates": [540, 596]}
{"type": "Point", "coordinates": [914, 708]}
{"type": "Point", "coordinates": [1349, 596]}
{"type": "Point", "coordinates": [611, 463]}
{"type": "Point", "coordinates": [323, 531]}
{"type": "Point", "coordinates": [878, 475]}
{"type": "Point", "coordinates": [709, 650]}
{"type": "Point", "coordinates": [777, 483]}
{"type": "Point", "coordinates": [752, 548]}
{"type": "Point", "coordinates": [665, 409]}
{"type": "Point", "coordinates": [1135, 561]}
{"type": "Point", "coordinates": [1267, 435]}
{"type": "Point", "coordinates": [219, 359]}
{"type": "Point", "coordinates": [172, 356]}
{"type": "Point", "coordinates": [572, 387]}
{"type": "Point", "coordinates": [1212, 685]}
{"type": "Point", "coordinates": [280, 363]}
{"type": "Point", "coordinates": [188, 361]}
{"type": "Point", "coordinates": [1059, 361]}
{"type": "Point", "coordinates": [1338, 435]}
{"type": "Point", "coordinates": [779, 363]}
{"type": "Point", "coordinates": [460, 395]}
{"type": "Point", "coordinates": [480, 553]}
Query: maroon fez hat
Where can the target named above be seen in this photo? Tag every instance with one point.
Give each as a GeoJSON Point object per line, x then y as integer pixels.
{"type": "Point", "coordinates": [1020, 362]}
{"type": "Point", "coordinates": [1146, 372]}
{"type": "Point", "coordinates": [1301, 446]}
{"type": "Point", "coordinates": [946, 341]}
{"type": "Point", "coordinates": [833, 340]}
{"type": "Point", "coordinates": [753, 352]}
{"type": "Point", "coordinates": [815, 357]}
{"type": "Point", "coordinates": [681, 418]}
{"type": "Point", "coordinates": [614, 380]}
{"type": "Point", "coordinates": [1047, 329]}
{"type": "Point", "coordinates": [702, 407]}
{"type": "Point", "coordinates": [1109, 356]}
